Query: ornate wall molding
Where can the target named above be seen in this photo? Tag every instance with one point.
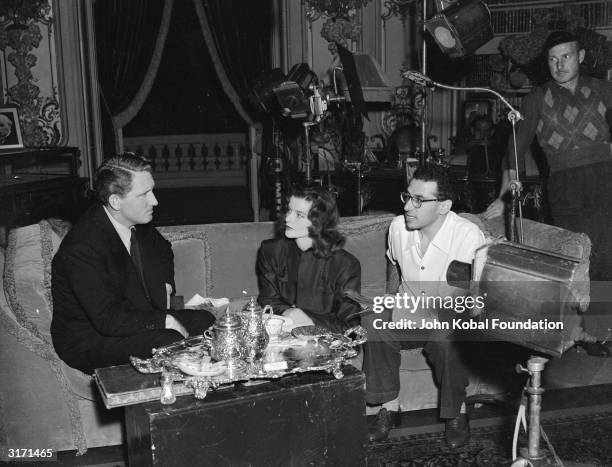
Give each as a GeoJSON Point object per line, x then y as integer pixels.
{"type": "Point", "coordinates": [28, 65]}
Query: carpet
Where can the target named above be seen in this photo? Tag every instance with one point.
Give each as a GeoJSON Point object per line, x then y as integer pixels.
{"type": "Point", "coordinates": [584, 440]}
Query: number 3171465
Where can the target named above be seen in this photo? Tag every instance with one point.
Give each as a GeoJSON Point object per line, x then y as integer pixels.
{"type": "Point", "coordinates": [27, 454]}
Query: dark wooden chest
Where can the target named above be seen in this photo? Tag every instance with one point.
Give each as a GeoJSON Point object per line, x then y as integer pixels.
{"type": "Point", "coordinates": [307, 419]}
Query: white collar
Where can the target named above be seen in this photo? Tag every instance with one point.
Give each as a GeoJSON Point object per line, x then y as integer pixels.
{"type": "Point", "coordinates": [124, 233]}
{"type": "Point", "coordinates": [444, 236]}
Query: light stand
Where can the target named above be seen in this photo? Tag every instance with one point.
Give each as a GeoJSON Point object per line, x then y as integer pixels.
{"type": "Point", "coordinates": [278, 169]}
{"type": "Point", "coordinates": [423, 155]}
{"type": "Point", "coordinates": [514, 116]}
{"type": "Point", "coordinates": [308, 174]}
{"type": "Point", "coordinates": [533, 454]}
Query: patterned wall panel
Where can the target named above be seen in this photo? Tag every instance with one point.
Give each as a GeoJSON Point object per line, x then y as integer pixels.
{"type": "Point", "coordinates": [29, 75]}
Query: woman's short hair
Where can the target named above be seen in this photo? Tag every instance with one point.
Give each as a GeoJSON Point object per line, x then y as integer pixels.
{"type": "Point", "coordinates": [438, 174]}
{"type": "Point", "coordinates": [114, 176]}
{"type": "Point", "coordinates": [324, 217]}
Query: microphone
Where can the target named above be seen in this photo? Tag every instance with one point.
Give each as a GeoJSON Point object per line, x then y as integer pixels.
{"type": "Point", "coordinates": [418, 78]}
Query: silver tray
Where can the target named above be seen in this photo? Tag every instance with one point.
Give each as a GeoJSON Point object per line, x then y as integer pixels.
{"type": "Point", "coordinates": [286, 355]}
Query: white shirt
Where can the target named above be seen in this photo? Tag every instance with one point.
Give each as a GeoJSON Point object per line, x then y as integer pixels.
{"type": "Point", "coordinates": [458, 239]}
{"type": "Point", "coordinates": [124, 233]}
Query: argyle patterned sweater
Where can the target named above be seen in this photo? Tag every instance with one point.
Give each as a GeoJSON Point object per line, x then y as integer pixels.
{"type": "Point", "coordinates": [571, 128]}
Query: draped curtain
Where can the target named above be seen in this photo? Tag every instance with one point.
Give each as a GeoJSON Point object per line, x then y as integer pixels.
{"type": "Point", "coordinates": [127, 58]}
{"type": "Point", "coordinates": [237, 35]}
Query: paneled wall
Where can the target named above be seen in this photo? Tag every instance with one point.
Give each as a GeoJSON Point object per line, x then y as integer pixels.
{"type": "Point", "coordinates": [44, 70]}
{"type": "Point", "coordinates": [29, 77]}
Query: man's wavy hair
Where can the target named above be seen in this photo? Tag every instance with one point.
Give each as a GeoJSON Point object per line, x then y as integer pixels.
{"type": "Point", "coordinates": [440, 175]}
{"type": "Point", "coordinates": [324, 217]}
{"type": "Point", "coordinates": [114, 176]}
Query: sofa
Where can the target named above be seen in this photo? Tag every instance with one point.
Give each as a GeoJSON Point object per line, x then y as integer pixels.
{"type": "Point", "coordinates": [45, 403]}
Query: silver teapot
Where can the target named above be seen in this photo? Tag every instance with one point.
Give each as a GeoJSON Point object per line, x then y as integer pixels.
{"type": "Point", "coordinates": [255, 336]}
{"type": "Point", "coordinates": [226, 339]}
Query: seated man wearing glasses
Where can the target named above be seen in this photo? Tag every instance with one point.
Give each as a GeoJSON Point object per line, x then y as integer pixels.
{"type": "Point", "coordinates": [421, 245]}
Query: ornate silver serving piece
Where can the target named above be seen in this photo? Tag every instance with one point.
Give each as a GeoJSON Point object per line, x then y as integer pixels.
{"type": "Point", "coordinates": [255, 336]}
{"type": "Point", "coordinates": [191, 360]}
{"type": "Point", "coordinates": [226, 339]}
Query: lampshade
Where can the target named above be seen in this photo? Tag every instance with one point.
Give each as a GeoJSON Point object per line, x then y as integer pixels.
{"type": "Point", "coordinates": [461, 28]}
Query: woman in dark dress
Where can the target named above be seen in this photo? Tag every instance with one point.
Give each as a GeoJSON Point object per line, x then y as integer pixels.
{"type": "Point", "coordinates": [304, 274]}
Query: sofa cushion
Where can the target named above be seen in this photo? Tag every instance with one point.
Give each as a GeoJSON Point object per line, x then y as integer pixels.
{"type": "Point", "coordinates": [192, 268]}
{"type": "Point", "coordinates": [27, 284]}
{"type": "Point", "coordinates": [366, 238]}
{"type": "Point", "coordinates": [27, 276]}
{"type": "Point", "coordinates": [223, 263]}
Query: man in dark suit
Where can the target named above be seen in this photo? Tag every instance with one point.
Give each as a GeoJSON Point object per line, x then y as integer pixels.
{"type": "Point", "coordinates": [113, 275]}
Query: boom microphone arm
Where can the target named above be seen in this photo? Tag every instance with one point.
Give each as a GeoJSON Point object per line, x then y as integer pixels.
{"type": "Point", "coordinates": [513, 115]}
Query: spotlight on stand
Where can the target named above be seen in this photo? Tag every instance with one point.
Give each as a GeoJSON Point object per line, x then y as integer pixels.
{"type": "Point", "coordinates": [292, 101]}
{"type": "Point", "coordinates": [300, 96]}
{"type": "Point", "coordinates": [461, 28]}
{"type": "Point", "coordinates": [291, 93]}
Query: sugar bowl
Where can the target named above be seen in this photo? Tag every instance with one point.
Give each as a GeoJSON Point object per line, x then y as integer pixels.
{"type": "Point", "coordinates": [226, 338]}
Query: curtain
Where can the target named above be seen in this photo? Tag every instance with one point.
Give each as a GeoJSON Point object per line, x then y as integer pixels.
{"type": "Point", "coordinates": [237, 35]}
{"type": "Point", "coordinates": [129, 40]}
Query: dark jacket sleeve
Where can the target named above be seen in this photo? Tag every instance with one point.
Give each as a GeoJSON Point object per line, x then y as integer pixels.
{"type": "Point", "coordinates": [269, 275]}
{"type": "Point", "coordinates": [349, 278]}
{"type": "Point", "coordinates": [98, 290]}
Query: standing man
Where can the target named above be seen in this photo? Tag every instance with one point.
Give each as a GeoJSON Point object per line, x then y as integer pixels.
{"type": "Point", "coordinates": [568, 116]}
{"type": "Point", "coordinates": [113, 275]}
{"type": "Point", "coordinates": [422, 243]}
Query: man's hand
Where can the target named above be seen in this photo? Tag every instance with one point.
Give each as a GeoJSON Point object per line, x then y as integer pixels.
{"type": "Point", "coordinates": [496, 208]}
{"type": "Point", "coordinates": [298, 316]}
{"type": "Point", "coordinates": [172, 323]}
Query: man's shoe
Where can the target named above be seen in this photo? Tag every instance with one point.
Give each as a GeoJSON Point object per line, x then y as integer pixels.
{"type": "Point", "coordinates": [457, 431]}
{"type": "Point", "coordinates": [385, 420]}
{"type": "Point", "coordinates": [595, 349]}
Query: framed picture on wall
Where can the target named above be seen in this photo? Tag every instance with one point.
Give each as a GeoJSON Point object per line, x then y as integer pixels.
{"type": "Point", "coordinates": [474, 107]}
{"type": "Point", "coordinates": [10, 128]}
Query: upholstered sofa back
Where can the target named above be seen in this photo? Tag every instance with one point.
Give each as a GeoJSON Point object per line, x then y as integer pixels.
{"type": "Point", "coordinates": [218, 260]}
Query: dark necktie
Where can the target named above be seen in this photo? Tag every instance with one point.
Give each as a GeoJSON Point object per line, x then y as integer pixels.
{"type": "Point", "coordinates": [137, 260]}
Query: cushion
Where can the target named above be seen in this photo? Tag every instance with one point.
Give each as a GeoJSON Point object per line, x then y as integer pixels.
{"type": "Point", "coordinates": [213, 262]}
{"type": "Point", "coordinates": [192, 271]}
{"type": "Point", "coordinates": [366, 238]}
{"type": "Point", "coordinates": [27, 276]}
{"type": "Point", "coordinates": [27, 283]}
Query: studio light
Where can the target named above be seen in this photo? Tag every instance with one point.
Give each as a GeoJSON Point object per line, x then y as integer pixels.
{"type": "Point", "coordinates": [293, 93]}
{"type": "Point", "coordinates": [461, 28]}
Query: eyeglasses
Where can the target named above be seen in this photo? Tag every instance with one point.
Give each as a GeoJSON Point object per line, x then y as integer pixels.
{"type": "Point", "coordinates": [417, 202]}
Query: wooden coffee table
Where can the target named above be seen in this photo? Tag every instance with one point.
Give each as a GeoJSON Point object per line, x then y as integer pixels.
{"type": "Point", "coordinates": [302, 419]}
